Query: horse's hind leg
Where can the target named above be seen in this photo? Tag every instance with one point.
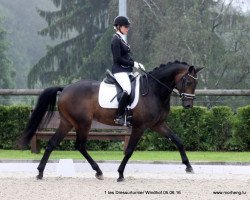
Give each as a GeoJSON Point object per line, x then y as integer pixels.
{"type": "Point", "coordinates": [82, 134]}
{"type": "Point", "coordinates": [167, 132]}
{"type": "Point", "coordinates": [54, 141]}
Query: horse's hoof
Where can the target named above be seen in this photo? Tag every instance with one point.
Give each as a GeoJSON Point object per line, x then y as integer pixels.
{"type": "Point", "coordinates": [99, 176]}
{"type": "Point", "coordinates": [39, 177]}
{"type": "Point", "coordinates": [120, 179]}
{"type": "Point", "coordinates": [189, 170]}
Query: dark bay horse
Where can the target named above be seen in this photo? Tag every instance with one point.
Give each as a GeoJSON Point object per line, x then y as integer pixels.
{"type": "Point", "coordinates": [78, 106]}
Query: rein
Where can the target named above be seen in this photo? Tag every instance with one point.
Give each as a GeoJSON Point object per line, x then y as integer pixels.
{"type": "Point", "coordinates": [158, 81]}
{"type": "Point", "coordinates": [181, 95]}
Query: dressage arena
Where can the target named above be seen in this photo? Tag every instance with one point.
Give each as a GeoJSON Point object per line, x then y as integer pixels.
{"type": "Point", "coordinates": [143, 181]}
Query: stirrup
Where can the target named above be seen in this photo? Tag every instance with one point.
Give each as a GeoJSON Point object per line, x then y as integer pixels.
{"type": "Point", "coordinates": [120, 120]}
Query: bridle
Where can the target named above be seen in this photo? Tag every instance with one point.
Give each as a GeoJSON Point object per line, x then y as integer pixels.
{"type": "Point", "coordinates": [184, 96]}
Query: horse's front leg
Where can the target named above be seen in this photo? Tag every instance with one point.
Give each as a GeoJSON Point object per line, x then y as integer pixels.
{"type": "Point", "coordinates": [133, 141]}
{"type": "Point", "coordinates": [167, 132]}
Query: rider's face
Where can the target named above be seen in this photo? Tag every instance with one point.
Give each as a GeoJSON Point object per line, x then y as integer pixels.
{"type": "Point", "coordinates": [124, 29]}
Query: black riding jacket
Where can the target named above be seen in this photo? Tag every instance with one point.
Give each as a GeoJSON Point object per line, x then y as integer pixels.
{"type": "Point", "coordinates": [122, 62]}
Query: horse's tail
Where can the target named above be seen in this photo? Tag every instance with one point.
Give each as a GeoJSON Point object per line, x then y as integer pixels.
{"type": "Point", "coordinates": [46, 102]}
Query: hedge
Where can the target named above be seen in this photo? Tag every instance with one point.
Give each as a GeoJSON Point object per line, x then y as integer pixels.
{"type": "Point", "coordinates": [218, 128]}
{"type": "Point", "coordinates": [200, 128]}
{"type": "Point", "coordinates": [240, 140]}
{"type": "Point", "coordinates": [12, 122]}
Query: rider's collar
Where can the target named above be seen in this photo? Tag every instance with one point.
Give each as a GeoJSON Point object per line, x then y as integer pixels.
{"type": "Point", "coordinates": [121, 35]}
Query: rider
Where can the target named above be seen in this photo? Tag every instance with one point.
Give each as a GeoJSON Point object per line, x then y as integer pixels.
{"type": "Point", "coordinates": [122, 64]}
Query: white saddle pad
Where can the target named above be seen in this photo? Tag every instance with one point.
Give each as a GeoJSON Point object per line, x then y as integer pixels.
{"type": "Point", "coordinates": [108, 91]}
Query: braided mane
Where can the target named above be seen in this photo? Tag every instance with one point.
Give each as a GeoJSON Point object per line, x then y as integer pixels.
{"type": "Point", "coordinates": [163, 66]}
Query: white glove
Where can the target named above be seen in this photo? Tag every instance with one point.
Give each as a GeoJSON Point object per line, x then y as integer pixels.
{"type": "Point", "coordinates": [139, 66]}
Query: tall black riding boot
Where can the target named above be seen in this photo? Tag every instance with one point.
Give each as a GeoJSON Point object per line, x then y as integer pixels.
{"type": "Point", "coordinates": [121, 109]}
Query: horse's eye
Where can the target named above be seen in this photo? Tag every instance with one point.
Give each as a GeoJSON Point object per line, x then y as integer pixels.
{"type": "Point", "coordinates": [189, 83]}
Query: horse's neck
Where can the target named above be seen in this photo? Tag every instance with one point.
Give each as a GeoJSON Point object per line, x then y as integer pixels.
{"type": "Point", "coordinates": [166, 76]}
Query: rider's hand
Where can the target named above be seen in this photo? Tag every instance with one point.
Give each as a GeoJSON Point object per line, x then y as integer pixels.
{"type": "Point", "coordinates": [139, 66]}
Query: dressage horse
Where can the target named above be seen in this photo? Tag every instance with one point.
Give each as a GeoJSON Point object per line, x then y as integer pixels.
{"type": "Point", "coordinates": [78, 106]}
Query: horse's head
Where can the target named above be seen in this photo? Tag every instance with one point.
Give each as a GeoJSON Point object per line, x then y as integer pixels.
{"type": "Point", "coordinates": [186, 81]}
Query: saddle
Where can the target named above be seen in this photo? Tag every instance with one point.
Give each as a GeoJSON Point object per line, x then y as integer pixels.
{"type": "Point", "coordinates": [110, 91]}
{"type": "Point", "coordinates": [110, 79]}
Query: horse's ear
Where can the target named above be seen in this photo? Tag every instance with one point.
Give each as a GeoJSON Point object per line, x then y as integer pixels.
{"type": "Point", "coordinates": [191, 69]}
{"type": "Point", "coordinates": [198, 69]}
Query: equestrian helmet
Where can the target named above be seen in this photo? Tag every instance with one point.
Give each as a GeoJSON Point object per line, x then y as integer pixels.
{"type": "Point", "coordinates": [121, 21]}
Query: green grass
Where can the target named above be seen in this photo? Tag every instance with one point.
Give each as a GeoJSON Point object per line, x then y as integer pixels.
{"type": "Point", "coordinates": [138, 155]}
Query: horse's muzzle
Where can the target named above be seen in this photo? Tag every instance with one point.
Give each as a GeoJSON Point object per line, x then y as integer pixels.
{"type": "Point", "coordinates": [187, 104]}
{"type": "Point", "coordinates": [187, 100]}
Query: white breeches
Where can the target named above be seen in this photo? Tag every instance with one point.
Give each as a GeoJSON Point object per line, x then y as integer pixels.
{"type": "Point", "coordinates": [123, 79]}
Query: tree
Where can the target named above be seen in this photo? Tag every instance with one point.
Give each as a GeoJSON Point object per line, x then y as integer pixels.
{"type": "Point", "coordinates": [81, 24]}
{"type": "Point", "coordinates": [7, 73]}
{"type": "Point", "coordinates": [25, 47]}
{"type": "Point", "coordinates": [204, 33]}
